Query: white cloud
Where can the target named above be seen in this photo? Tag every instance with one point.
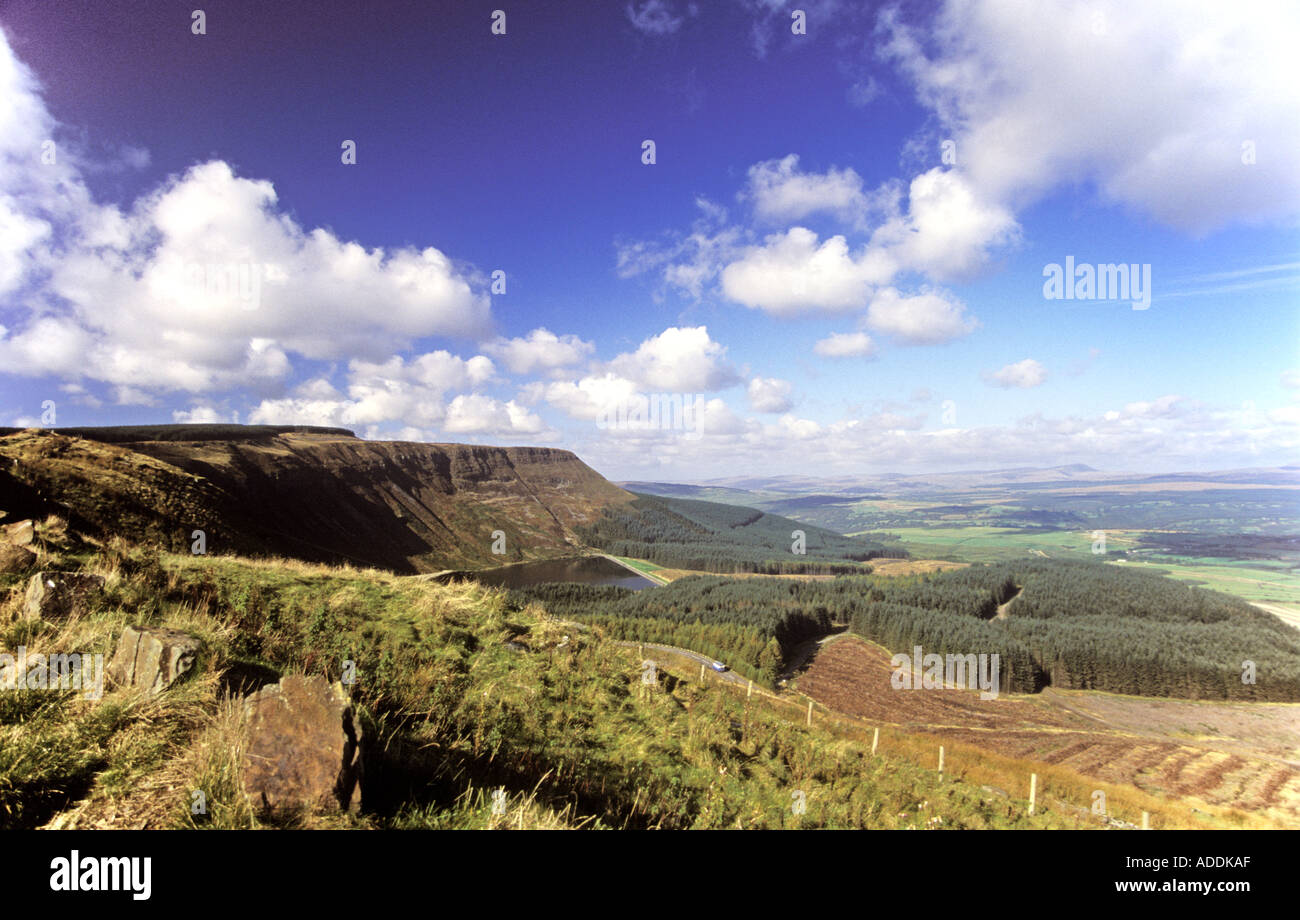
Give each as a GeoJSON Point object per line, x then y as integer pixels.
{"type": "Point", "coordinates": [437, 371]}
{"type": "Point", "coordinates": [792, 274]}
{"type": "Point", "coordinates": [945, 232]}
{"type": "Point", "coordinates": [1164, 407]}
{"type": "Point", "coordinates": [588, 398]}
{"type": "Point", "coordinates": [769, 394]}
{"type": "Point", "coordinates": [541, 350]}
{"type": "Point", "coordinates": [479, 414]}
{"type": "Point", "coordinates": [948, 232]}
{"type": "Point", "coordinates": [1149, 103]}
{"type": "Point", "coordinates": [654, 17]}
{"type": "Point", "coordinates": [203, 284]}
{"type": "Point", "coordinates": [199, 414]}
{"type": "Point", "coordinates": [846, 345]}
{"type": "Point", "coordinates": [678, 360]}
{"type": "Point", "coordinates": [927, 318]}
{"type": "Point", "coordinates": [780, 192]}
{"type": "Point", "coordinates": [406, 394]}
{"type": "Point", "coordinates": [688, 263]}
{"type": "Point", "coordinates": [1023, 375]}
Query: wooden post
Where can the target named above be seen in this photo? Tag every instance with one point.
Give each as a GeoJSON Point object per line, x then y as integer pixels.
{"type": "Point", "coordinates": [941, 761]}
{"type": "Point", "coordinates": [640, 651]}
{"type": "Point", "coordinates": [1033, 791]}
{"type": "Point", "coordinates": [701, 673]}
{"type": "Point", "coordinates": [810, 713]}
{"type": "Point", "coordinates": [1146, 821]}
{"type": "Point", "coordinates": [750, 692]}
{"type": "Point", "coordinates": [875, 741]}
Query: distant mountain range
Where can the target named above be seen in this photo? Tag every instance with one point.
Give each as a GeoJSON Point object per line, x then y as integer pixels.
{"type": "Point", "coordinates": [849, 488]}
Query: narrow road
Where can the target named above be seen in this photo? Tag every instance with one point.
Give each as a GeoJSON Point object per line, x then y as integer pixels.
{"type": "Point", "coordinates": [730, 677]}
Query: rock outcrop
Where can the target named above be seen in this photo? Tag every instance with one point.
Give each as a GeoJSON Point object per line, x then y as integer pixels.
{"type": "Point", "coordinates": [16, 558]}
{"type": "Point", "coordinates": [20, 533]}
{"type": "Point", "coordinates": [303, 748]}
{"type": "Point", "coordinates": [152, 659]}
{"type": "Point", "coordinates": [57, 595]}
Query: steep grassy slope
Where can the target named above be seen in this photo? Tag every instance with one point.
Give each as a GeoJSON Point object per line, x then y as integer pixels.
{"type": "Point", "coordinates": [317, 495]}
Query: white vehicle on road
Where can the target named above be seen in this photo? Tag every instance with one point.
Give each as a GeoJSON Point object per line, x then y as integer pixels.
{"type": "Point", "coordinates": [718, 666]}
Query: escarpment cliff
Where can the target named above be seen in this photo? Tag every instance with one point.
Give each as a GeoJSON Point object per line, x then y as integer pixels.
{"type": "Point", "coordinates": [321, 495]}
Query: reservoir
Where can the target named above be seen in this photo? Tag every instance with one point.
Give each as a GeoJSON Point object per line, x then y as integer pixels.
{"type": "Point", "coordinates": [587, 570]}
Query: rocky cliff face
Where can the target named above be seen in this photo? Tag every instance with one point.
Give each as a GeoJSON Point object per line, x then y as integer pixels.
{"type": "Point", "coordinates": [320, 496]}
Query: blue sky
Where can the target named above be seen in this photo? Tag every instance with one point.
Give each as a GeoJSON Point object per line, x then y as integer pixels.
{"type": "Point", "coordinates": [839, 249]}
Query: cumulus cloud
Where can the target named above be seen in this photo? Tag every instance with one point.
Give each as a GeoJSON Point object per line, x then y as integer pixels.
{"type": "Point", "coordinates": [478, 414]}
{"type": "Point", "coordinates": [415, 395]}
{"type": "Point", "coordinates": [588, 398]}
{"type": "Point", "coordinates": [947, 231]}
{"type": "Point", "coordinates": [846, 345]}
{"type": "Point", "coordinates": [540, 350]}
{"type": "Point", "coordinates": [791, 273]}
{"type": "Point", "coordinates": [1158, 106]}
{"type": "Point", "coordinates": [205, 415]}
{"type": "Point", "coordinates": [202, 284]}
{"type": "Point", "coordinates": [677, 360]}
{"type": "Point", "coordinates": [940, 230]}
{"type": "Point", "coordinates": [1023, 375]}
{"type": "Point", "coordinates": [927, 318]}
{"type": "Point", "coordinates": [769, 394]}
{"type": "Point", "coordinates": [779, 191]}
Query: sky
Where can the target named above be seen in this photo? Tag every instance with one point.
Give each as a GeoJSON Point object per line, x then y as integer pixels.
{"type": "Point", "coordinates": [839, 235]}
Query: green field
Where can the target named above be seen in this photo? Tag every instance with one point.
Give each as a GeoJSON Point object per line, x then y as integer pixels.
{"type": "Point", "coordinates": [639, 564]}
{"type": "Point", "coordinates": [1257, 581]}
{"type": "Point", "coordinates": [1001, 544]}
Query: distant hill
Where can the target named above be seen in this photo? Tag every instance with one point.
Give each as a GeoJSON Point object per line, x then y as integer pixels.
{"type": "Point", "coordinates": [716, 537]}
{"type": "Point", "coordinates": [316, 494]}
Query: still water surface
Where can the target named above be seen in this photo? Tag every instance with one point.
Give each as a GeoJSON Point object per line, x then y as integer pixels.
{"type": "Point", "coordinates": [587, 570]}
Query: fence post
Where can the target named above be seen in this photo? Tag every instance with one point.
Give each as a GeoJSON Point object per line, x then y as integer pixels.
{"type": "Point", "coordinates": [941, 761]}
{"type": "Point", "coordinates": [1033, 791]}
{"type": "Point", "coordinates": [875, 741]}
{"type": "Point", "coordinates": [750, 692]}
{"type": "Point", "coordinates": [701, 673]}
{"type": "Point", "coordinates": [1146, 821]}
{"type": "Point", "coordinates": [810, 713]}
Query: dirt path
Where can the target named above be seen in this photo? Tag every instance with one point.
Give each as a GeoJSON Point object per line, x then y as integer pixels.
{"type": "Point", "coordinates": [1004, 610]}
{"type": "Point", "coordinates": [1288, 615]}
